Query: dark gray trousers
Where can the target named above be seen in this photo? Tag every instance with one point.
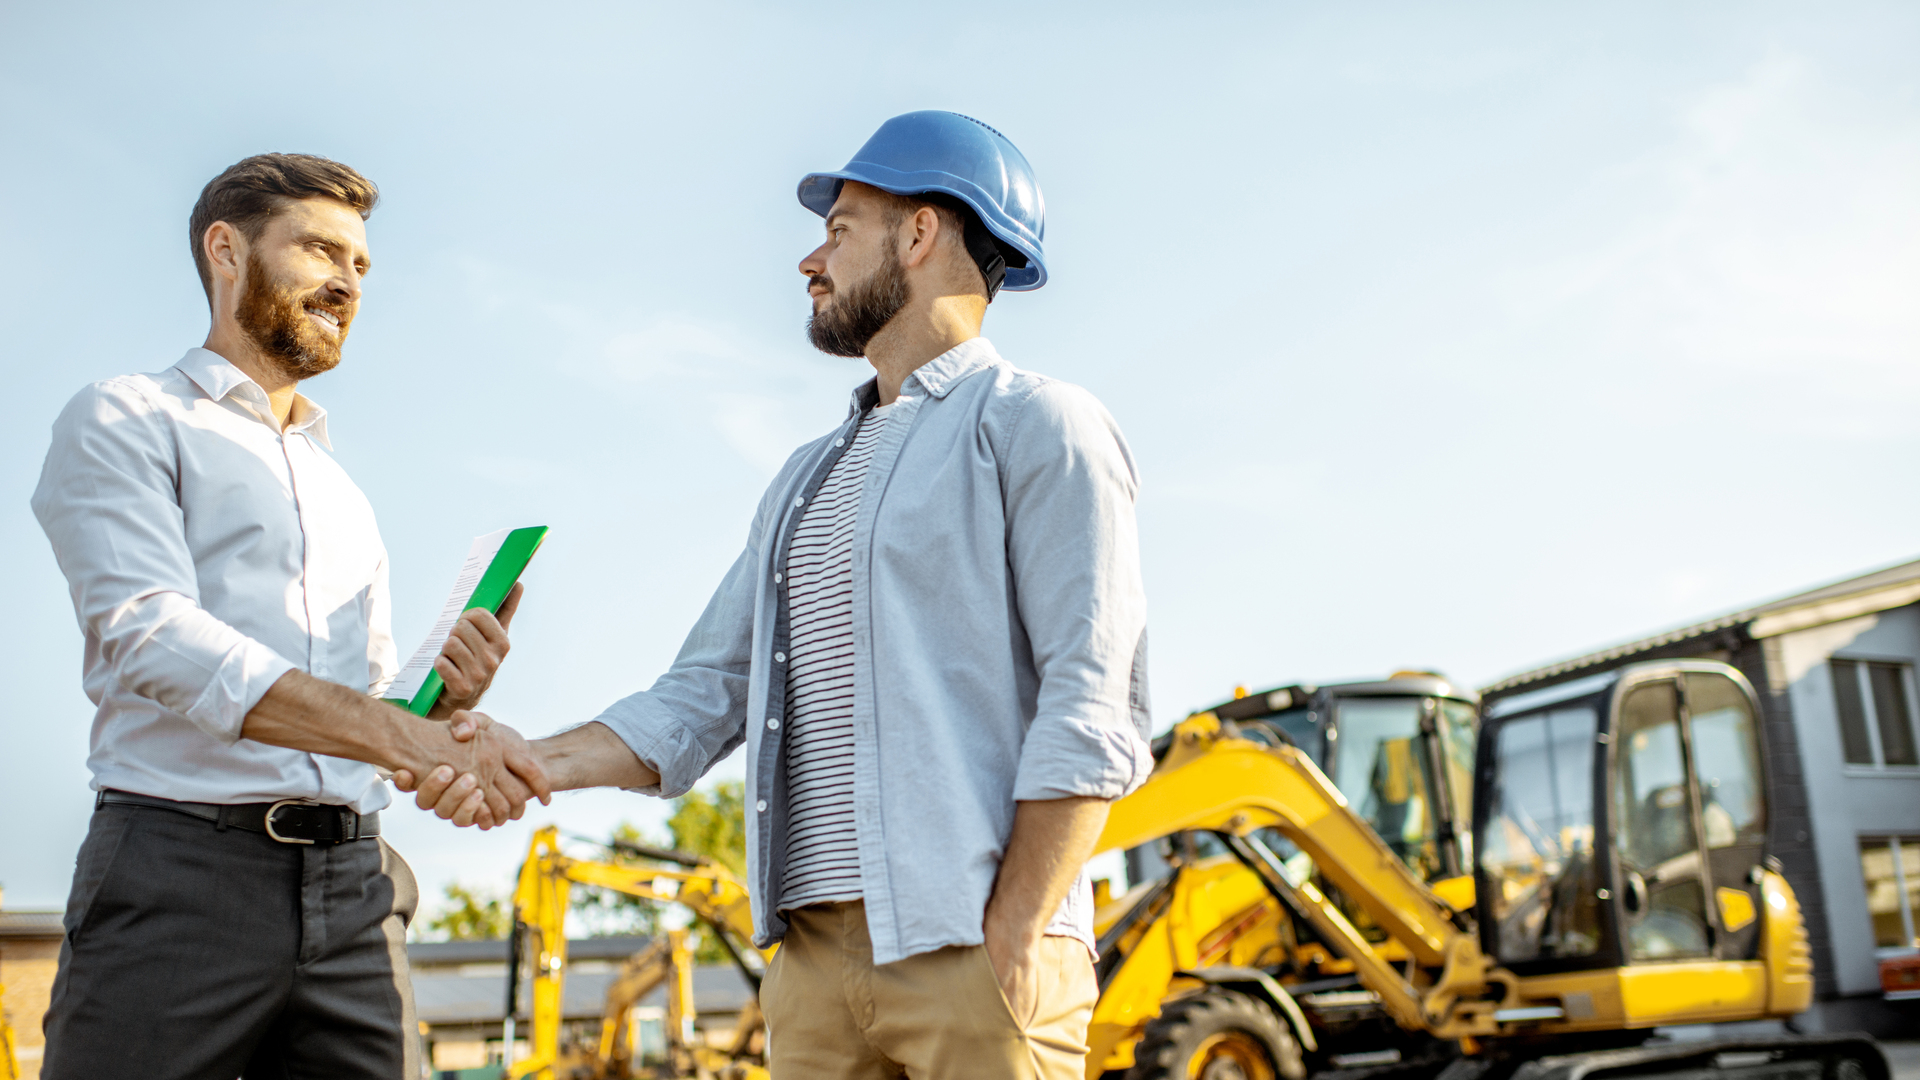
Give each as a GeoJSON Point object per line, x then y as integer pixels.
{"type": "Point", "coordinates": [201, 954]}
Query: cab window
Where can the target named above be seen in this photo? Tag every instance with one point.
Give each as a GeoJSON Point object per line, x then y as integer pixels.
{"type": "Point", "coordinates": [1459, 730]}
{"type": "Point", "coordinates": [1536, 848]}
{"type": "Point", "coordinates": [1378, 767]}
{"type": "Point", "coordinates": [1665, 898]}
{"type": "Point", "coordinates": [1726, 757]}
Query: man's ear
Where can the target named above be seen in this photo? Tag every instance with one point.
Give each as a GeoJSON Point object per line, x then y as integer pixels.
{"type": "Point", "coordinates": [920, 236]}
{"type": "Point", "coordinates": [226, 251]}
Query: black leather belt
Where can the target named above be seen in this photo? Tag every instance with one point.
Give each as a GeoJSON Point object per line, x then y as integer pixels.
{"type": "Point", "coordinates": [290, 821]}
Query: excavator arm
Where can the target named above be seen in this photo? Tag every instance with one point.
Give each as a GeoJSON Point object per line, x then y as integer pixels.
{"type": "Point", "coordinates": [540, 902]}
{"type": "Point", "coordinates": [1212, 781]}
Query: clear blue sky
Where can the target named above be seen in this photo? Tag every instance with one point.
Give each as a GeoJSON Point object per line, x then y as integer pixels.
{"type": "Point", "coordinates": [1463, 336]}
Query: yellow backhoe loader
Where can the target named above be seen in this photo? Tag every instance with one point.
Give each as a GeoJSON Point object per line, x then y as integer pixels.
{"type": "Point", "coordinates": [539, 945]}
{"type": "Point", "coordinates": [1619, 882]}
{"type": "Point", "coordinates": [1403, 748]}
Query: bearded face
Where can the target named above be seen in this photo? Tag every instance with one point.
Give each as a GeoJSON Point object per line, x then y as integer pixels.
{"type": "Point", "coordinates": [851, 317]}
{"type": "Point", "coordinates": [285, 324]}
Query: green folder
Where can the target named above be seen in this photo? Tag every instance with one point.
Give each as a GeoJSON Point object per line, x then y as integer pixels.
{"type": "Point", "coordinates": [494, 563]}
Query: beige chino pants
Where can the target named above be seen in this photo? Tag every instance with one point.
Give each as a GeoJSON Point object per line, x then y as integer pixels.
{"type": "Point", "coordinates": [833, 1015]}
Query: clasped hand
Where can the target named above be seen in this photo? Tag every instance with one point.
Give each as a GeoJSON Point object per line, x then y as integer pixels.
{"type": "Point", "coordinates": [472, 655]}
{"type": "Point", "coordinates": [483, 774]}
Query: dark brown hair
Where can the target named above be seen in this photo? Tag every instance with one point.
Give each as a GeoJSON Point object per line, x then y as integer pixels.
{"type": "Point", "coordinates": [988, 252]}
{"type": "Point", "coordinates": [248, 193]}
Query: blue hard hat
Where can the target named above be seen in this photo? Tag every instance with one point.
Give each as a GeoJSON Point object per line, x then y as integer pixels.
{"type": "Point", "coordinates": [934, 151]}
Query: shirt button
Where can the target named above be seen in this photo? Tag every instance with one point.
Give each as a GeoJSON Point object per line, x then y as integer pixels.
{"type": "Point", "coordinates": [798, 501]}
{"type": "Point", "coordinates": [773, 723]}
{"type": "Point", "coordinates": [761, 806]}
{"type": "Point", "coordinates": [780, 657]}
{"type": "Point", "coordinates": [776, 579]}
{"type": "Point", "coordinates": [839, 442]}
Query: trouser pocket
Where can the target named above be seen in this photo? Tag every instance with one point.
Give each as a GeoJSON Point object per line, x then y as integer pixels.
{"type": "Point", "coordinates": [983, 962]}
{"type": "Point", "coordinates": [107, 834]}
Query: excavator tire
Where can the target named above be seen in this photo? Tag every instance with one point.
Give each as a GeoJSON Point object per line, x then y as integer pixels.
{"type": "Point", "coordinates": [1217, 1035]}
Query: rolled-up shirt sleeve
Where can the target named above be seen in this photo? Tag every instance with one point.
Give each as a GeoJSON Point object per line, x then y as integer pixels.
{"type": "Point", "coordinates": [108, 500]}
{"type": "Point", "coordinates": [696, 713]}
{"type": "Point", "coordinates": [1074, 548]}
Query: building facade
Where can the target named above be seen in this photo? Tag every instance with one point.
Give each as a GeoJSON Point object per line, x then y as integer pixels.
{"type": "Point", "coordinates": [1834, 668]}
{"type": "Point", "coordinates": [29, 956]}
{"type": "Point", "coordinates": [459, 989]}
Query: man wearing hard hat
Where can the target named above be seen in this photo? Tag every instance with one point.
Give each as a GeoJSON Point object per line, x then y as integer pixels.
{"type": "Point", "coordinates": [934, 647]}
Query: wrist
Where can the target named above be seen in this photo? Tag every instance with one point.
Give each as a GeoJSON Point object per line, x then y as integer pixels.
{"type": "Point", "coordinates": [589, 756]}
{"type": "Point", "coordinates": [444, 708]}
{"type": "Point", "coordinates": [1013, 930]}
{"type": "Point", "coordinates": [561, 767]}
{"type": "Point", "coordinates": [402, 742]}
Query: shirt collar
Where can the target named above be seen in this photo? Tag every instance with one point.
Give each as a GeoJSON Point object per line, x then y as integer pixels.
{"type": "Point", "coordinates": [944, 372]}
{"type": "Point", "coordinates": [215, 376]}
{"type": "Point", "coordinates": [937, 376]}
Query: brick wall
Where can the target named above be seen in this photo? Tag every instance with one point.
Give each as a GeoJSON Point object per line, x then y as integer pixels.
{"type": "Point", "coordinates": [26, 969]}
{"type": "Point", "coordinates": [1789, 824]}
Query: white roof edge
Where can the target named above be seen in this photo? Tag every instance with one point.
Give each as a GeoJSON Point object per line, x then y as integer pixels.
{"type": "Point", "coordinates": [1838, 609]}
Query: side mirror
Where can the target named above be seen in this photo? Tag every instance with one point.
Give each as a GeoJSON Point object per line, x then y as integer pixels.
{"type": "Point", "coordinates": [1634, 899]}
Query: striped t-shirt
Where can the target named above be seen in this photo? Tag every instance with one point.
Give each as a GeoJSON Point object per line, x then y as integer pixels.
{"type": "Point", "coordinates": [823, 856]}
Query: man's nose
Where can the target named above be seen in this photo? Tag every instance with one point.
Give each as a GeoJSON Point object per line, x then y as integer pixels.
{"type": "Point", "coordinates": [815, 264]}
{"type": "Point", "coordinates": [346, 285]}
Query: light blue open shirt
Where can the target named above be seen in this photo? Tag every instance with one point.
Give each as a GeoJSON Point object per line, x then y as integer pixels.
{"type": "Point", "coordinates": [999, 631]}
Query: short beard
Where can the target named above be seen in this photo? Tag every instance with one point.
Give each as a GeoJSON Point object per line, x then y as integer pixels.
{"type": "Point", "coordinates": [846, 326]}
{"type": "Point", "coordinates": [275, 320]}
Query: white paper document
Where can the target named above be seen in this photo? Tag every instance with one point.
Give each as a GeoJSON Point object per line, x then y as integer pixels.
{"type": "Point", "coordinates": [479, 557]}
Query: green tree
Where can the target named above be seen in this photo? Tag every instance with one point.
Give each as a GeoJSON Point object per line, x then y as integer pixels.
{"type": "Point", "coordinates": [471, 916]}
{"type": "Point", "coordinates": [606, 913]}
{"type": "Point", "coordinates": [713, 823]}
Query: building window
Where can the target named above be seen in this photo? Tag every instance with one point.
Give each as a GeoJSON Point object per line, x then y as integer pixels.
{"type": "Point", "coordinates": [1891, 865]}
{"type": "Point", "coordinates": [1875, 705]}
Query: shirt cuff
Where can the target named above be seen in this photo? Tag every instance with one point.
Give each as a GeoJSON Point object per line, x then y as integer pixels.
{"type": "Point", "coordinates": [1070, 757]}
{"type": "Point", "coordinates": [244, 676]}
{"type": "Point", "coordinates": [661, 743]}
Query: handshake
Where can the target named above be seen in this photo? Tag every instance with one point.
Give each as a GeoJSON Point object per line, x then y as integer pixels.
{"type": "Point", "coordinates": [480, 773]}
{"type": "Point", "coordinates": [469, 770]}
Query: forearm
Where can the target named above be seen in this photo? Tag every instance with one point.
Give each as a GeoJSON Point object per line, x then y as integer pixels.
{"type": "Point", "coordinates": [1052, 840]}
{"type": "Point", "coordinates": [591, 755]}
{"type": "Point", "coordinates": [301, 712]}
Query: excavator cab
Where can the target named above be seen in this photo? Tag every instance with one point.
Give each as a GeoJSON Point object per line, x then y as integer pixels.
{"type": "Point", "coordinates": [1401, 749]}
{"type": "Point", "coordinates": [1622, 820]}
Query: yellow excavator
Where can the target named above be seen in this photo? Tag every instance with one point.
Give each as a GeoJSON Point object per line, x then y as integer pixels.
{"type": "Point", "coordinates": [1403, 747]}
{"type": "Point", "coordinates": [1610, 877]}
{"type": "Point", "coordinates": [538, 945]}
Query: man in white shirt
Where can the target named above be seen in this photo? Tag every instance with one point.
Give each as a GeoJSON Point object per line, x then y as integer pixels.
{"type": "Point", "coordinates": [234, 912]}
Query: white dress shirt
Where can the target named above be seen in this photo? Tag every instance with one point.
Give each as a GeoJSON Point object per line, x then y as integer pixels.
{"type": "Point", "coordinates": [208, 553]}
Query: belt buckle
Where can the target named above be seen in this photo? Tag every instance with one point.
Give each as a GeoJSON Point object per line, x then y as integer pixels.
{"type": "Point", "coordinates": [271, 810]}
